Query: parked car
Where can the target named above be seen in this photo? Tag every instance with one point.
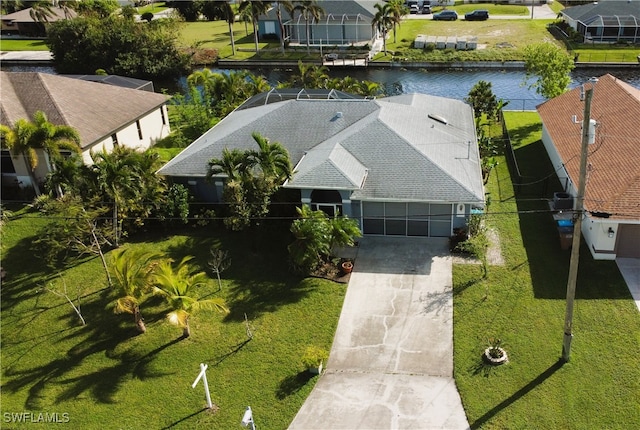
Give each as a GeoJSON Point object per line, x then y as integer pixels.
{"type": "Point", "coordinates": [477, 15]}
{"type": "Point", "coordinates": [426, 9]}
{"type": "Point", "coordinates": [445, 15]}
{"type": "Point", "coordinates": [413, 8]}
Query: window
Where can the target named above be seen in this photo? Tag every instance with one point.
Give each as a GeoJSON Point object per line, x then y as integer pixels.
{"type": "Point", "coordinates": [139, 129]}
{"type": "Point", "coordinates": [114, 139]}
{"type": "Point", "coordinates": [7, 163]}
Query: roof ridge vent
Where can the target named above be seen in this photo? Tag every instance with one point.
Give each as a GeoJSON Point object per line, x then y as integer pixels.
{"type": "Point", "coordinates": [338, 114]}
{"type": "Point", "coordinates": [438, 118]}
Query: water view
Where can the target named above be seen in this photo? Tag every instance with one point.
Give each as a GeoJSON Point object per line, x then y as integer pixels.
{"type": "Point", "coordinates": [455, 83]}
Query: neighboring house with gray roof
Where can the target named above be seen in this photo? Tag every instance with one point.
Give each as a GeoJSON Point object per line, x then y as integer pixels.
{"type": "Point", "coordinates": [343, 23]}
{"type": "Point", "coordinates": [405, 165]}
{"type": "Point", "coordinates": [606, 20]}
{"type": "Point", "coordinates": [104, 114]}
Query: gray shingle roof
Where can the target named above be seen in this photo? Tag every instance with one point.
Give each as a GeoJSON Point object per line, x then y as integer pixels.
{"type": "Point", "coordinates": [95, 110]}
{"type": "Point", "coordinates": [603, 8]}
{"type": "Point", "coordinates": [385, 149]}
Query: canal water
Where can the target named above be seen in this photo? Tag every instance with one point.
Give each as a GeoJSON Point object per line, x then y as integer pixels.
{"type": "Point", "coordinates": [454, 83]}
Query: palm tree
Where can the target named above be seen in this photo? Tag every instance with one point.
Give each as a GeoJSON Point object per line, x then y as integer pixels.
{"type": "Point", "coordinates": [132, 274]}
{"type": "Point", "coordinates": [229, 15]}
{"type": "Point", "coordinates": [312, 233]}
{"type": "Point", "coordinates": [255, 9]}
{"type": "Point", "coordinates": [288, 6]}
{"type": "Point", "coordinates": [27, 137]}
{"type": "Point", "coordinates": [310, 11]}
{"type": "Point", "coordinates": [272, 159]}
{"type": "Point", "coordinates": [116, 177]}
{"type": "Point", "coordinates": [177, 285]}
{"type": "Point", "coordinates": [397, 10]}
{"type": "Point", "coordinates": [233, 164]}
{"type": "Point", "coordinates": [310, 76]}
{"type": "Point", "coordinates": [383, 21]}
{"type": "Point", "coordinates": [40, 12]}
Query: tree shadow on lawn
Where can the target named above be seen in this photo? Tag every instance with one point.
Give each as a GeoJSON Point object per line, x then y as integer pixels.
{"type": "Point", "coordinates": [520, 134]}
{"type": "Point", "coordinates": [293, 383]}
{"type": "Point", "coordinates": [548, 263]}
{"type": "Point", "coordinates": [103, 333]}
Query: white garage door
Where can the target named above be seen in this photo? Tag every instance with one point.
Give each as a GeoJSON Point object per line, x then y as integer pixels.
{"type": "Point", "coordinates": [406, 219]}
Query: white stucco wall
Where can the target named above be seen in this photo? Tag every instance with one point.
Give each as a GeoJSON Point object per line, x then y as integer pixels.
{"type": "Point", "coordinates": [152, 130]}
{"type": "Point", "coordinates": [596, 234]}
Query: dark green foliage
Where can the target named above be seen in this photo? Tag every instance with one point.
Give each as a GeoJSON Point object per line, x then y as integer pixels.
{"type": "Point", "coordinates": [482, 99]}
{"type": "Point", "coordinates": [117, 45]}
{"type": "Point", "coordinates": [188, 9]}
{"type": "Point", "coordinates": [316, 235]}
{"type": "Point", "coordinates": [147, 16]}
{"type": "Point", "coordinates": [97, 8]}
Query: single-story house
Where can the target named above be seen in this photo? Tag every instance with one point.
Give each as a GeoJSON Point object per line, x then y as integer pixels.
{"type": "Point", "coordinates": [606, 20]}
{"type": "Point", "coordinates": [611, 224]}
{"type": "Point", "coordinates": [21, 23]}
{"type": "Point", "coordinates": [406, 165]}
{"type": "Point", "coordinates": [105, 114]}
{"type": "Point", "coordinates": [342, 23]}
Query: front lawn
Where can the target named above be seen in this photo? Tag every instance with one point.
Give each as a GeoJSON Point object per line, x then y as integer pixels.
{"type": "Point", "coordinates": [104, 376]}
{"type": "Point", "coordinates": [23, 45]}
{"type": "Point", "coordinates": [523, 303]}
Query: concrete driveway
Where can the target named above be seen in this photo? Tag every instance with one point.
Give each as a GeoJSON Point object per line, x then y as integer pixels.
{"type": "Point", "coordinates": [391, 363]}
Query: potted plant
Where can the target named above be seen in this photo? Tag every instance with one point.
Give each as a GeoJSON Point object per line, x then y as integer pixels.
{"type": "Point", "coordinates": [347, 266]}
{"type": "Point", "coordinates": [313, 358]}
{"type": "Point", "coordinates": [495, 354]}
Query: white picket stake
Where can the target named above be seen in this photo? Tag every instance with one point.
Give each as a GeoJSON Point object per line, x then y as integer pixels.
{"type": "Point", "coordinates": [203, 375]}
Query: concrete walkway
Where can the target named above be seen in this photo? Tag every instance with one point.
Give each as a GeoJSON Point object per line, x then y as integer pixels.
{"type": "Point", "coordinates": [630, 270]}
{"type": "Point", "coordinates": [391, 363]}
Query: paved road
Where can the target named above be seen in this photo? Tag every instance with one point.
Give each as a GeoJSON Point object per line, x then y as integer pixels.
{"type": "Point", "coordinates": [391, 363]}
{"type": "Point", "coordinates": [539, 12]}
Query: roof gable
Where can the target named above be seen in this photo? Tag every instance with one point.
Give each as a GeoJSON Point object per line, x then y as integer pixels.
{"type": "Point", "coordinates": [614, 159]}
{"type": "Point", "coordinates": [95, 110]}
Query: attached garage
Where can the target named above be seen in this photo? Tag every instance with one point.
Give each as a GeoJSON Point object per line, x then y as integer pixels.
{"type": "Point", "coordinates": [628, 245]}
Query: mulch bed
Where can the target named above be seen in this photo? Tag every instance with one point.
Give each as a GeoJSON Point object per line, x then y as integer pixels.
{"type": "Point", "coordinates": [332, 272]}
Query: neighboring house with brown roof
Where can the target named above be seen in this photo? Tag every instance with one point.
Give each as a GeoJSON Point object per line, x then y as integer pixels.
{"type": "Point", "coordinates": [103, 114]}
{"type": "Point", "coordinates": [611, 226]}
{"type": "Point", "coordinates": [22, 23]}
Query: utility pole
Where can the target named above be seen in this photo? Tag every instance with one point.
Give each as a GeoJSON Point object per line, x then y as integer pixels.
{"type": "Point", "coordinates": [577, 227]}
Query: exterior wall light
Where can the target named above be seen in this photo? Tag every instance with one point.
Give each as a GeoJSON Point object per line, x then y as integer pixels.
{"type": "Point", "coordinates": [610, 232]}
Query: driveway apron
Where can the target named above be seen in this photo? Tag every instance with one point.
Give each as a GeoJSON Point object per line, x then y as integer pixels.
{"type": "Point", "coordinates": [391, 363]}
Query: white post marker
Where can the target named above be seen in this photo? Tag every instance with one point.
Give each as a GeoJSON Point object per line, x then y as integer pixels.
{"type": "Point", "coordinates": [203, 375]}
{"type": "Point", "coordinates": [248, 418]}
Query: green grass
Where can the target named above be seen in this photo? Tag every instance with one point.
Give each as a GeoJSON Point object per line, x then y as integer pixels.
{"type": "Point", "coordinates": [504, 39]}
{"type": "Point", "coordinates": [523, 303]}
{"type": "Point", "coordinates": [23, 45]}
{"type": "Point", "coordinates": [104, 376]}
{"type": "Point", "coordinates": [153, 8]}
{"type": "Point", "coordinates": [607, 53]}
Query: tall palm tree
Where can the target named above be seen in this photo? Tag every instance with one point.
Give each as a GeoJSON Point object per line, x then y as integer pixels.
{"type": "Point", "coordinates": [132, 272]}
{"type": "Point", "coordinates": [115, 173]}
{"type": "Point", "coordinates": [397, 10]}
{"type": "Point", "coordinates": [310, 76]}
{"type": "Point", "coordinates": [27, 137]}
{"type": "Point", "coordinates": [383, 21]}
{"type": "Point", "coordinates": [310, 11]}
{"type": "Point", "coordinates": [255, 9]}
{"type": "Point", "coordinates": [178, 285]}
{"type": "Point", "coordinates": [229, 15]}
{"type": "Point", "coordinates": [233, 164]}
{"type": "Point", "coordinates": [288, 6]}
